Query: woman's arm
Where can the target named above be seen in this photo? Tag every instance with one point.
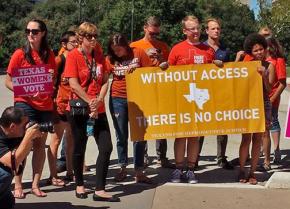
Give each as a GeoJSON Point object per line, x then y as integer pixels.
{"type": "Point", "coordinates": [104, 88]}
{"type": "Point", "coordinates": [8, 82]}
{"type": "Point", "coordinates": [78, 90]}
{"type": "Point", "coordinates": [272, 75]}
{"type": "Point", "coordinates": [279, 90]}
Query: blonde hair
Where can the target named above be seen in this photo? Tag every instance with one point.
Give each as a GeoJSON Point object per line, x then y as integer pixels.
{"type": "Point", "coordinates": [86, 28]}
{"type": "Point", "coordinates": [212, 20]}
{"type": "Point", "coordinates": [189, 18]}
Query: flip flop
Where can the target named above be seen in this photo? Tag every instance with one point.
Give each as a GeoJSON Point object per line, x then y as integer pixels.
{"type": "Point", "coordinates": [37, 192]}
{"type": "Point", "coordinates": [20, 191]}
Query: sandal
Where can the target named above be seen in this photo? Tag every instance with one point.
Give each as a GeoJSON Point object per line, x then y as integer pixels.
{"type": "Point", "coordinates": [37, 192]}
{"type": "Point", "coordinates": [55, 182]}
{"type": "Point", "coordinates": [18, 193]}
{"type": "Point", "coordinates": [121, 176]}
{"type": "Point", "coordinates": [143, 179]}
{"type": "Point", "coordinates": [252, 179]}
{"type": "Point", "coordinates": [242, 177]}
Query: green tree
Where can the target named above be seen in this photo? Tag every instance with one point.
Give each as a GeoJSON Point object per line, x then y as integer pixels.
{"type": "Point", "coordinates": [11, 12]}
{"type": "Point", "coordinates": [280, 20]}
{"type": "Point", "coordinates": [277, 17]}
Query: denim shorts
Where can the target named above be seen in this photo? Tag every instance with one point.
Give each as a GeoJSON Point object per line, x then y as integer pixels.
{"type": "Point", "coordinates": [35, 115]}
{"type": "Point", "coordinates": [275, 125]}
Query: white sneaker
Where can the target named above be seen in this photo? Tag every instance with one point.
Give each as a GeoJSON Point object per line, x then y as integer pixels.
{"type": "Point", "coordinates": [191, 177]}
{"type": "Point", "coordinates": [176, 176]}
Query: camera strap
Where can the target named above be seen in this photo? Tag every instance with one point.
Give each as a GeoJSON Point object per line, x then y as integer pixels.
{"type": "Point", "coordinates": [13, 164]}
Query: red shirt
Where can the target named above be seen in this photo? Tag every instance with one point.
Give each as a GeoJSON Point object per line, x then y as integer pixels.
{"type": "Point", "coordinates": [280, 75]}
{"type": "Point", "coordinates": [185, 53]}
{"type": "Point", "coordinates": [118, 87]}
{"type": "Point", "coordinates": [42, 102]}
{"type": "Point", "coordinates": [76, 67]}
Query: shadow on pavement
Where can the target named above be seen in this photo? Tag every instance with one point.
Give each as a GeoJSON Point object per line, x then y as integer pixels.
{"type": "Point", "coordinates": [53, 205]}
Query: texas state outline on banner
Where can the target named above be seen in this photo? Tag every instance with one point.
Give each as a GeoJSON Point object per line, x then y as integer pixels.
{"type": "Point", "coordinates": [195, 100]}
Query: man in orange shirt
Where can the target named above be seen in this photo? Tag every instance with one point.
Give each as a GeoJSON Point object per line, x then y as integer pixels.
{"type": "Point", "coordinates": [158, 52]}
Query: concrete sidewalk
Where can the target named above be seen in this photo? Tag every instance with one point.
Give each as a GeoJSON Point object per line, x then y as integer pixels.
{"type": "Point", "coordinates": [217, 188]}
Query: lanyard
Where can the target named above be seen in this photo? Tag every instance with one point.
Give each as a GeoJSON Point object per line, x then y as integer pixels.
{"type": "Point", "coordinates": [92, 65]}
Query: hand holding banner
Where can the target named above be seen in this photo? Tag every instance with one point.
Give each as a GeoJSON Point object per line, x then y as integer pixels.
{"type": "Point", "coordinates": [195, 100]}
{"type": "Point", "coordinates": [28, 81]}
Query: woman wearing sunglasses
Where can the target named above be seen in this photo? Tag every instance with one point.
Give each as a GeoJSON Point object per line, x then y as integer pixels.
{"type": "Point", "coordinates": [88, 80]}
{"type": "Point", "coordinates": [38, 107]}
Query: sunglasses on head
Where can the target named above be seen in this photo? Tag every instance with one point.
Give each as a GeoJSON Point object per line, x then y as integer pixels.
{"type": "Point", "coordinates": [33, 31]}
{"type": "Point", "coordinates": [91, 36]}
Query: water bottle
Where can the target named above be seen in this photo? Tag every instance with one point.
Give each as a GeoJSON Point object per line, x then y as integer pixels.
{"type": "Point", "coordinates": [90, 126]}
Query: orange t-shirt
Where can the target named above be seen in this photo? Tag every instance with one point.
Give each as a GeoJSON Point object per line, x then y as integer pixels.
{"type": "Point", "coordinates": [42, 102]}
{"type": "Point", "coordinates": [280, 72]}
{"type": "Point", "coordinates": [248, 58]}
{"type": "Point", "coordinates": [185, 53]}
{"type": "Point", "coordinates": [76, 67]}
{"type": "Point", "coordinates": [118, 87]}
{"type": "Point", "coordinates": [64, 90]}
{"type": "Point", "coordinates": [158, 51]}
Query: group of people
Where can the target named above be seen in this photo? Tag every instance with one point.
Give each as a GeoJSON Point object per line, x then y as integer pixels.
{"type": "Point", "coordinates": [81, 80]}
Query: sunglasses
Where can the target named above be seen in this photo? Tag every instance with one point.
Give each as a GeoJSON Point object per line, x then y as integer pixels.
{"type": "Point", "coordinates": [33, 31]}
{"type": "Point", "coordinates": [153, 33]}
{"type": "Point", "coordinates": [89, 37]}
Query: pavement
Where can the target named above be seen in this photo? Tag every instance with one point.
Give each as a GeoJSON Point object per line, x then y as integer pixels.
{"type": "Point", "coordinates": [217, 188]}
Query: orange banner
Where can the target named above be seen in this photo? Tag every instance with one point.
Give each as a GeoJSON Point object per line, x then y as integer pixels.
{"type": "Point", "coordinates": [195, 100]}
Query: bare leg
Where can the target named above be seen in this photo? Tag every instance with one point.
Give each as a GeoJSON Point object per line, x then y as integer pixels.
{"type": "Point", "coordinates": [53, 147]}
{"type": "Point", "coordinates": [266, 147]}
{"type": "Point", "coordinates": [179, 151]}
{"type": "Point", "coordinates": [276, 139]}
{"type": "Point", "coordinates": [255, 153]}
{"type": "Point", "coordinates": [192, 151]}
{"type": "Point", "coordinates": [38, 159]}
{"type": "Point", "coordinates": [244, 150]}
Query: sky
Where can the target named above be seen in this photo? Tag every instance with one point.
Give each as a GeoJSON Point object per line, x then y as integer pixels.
{"type": "Point", "coordinates": [254, 6]}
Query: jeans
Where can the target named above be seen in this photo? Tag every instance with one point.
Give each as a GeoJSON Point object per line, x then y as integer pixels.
{"type": "Point", "coordinates": [103, 140]}
{"type": "Point", "coordinates": [7, 200]}
{"type": "Point", "coordinates": [119, 113]}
